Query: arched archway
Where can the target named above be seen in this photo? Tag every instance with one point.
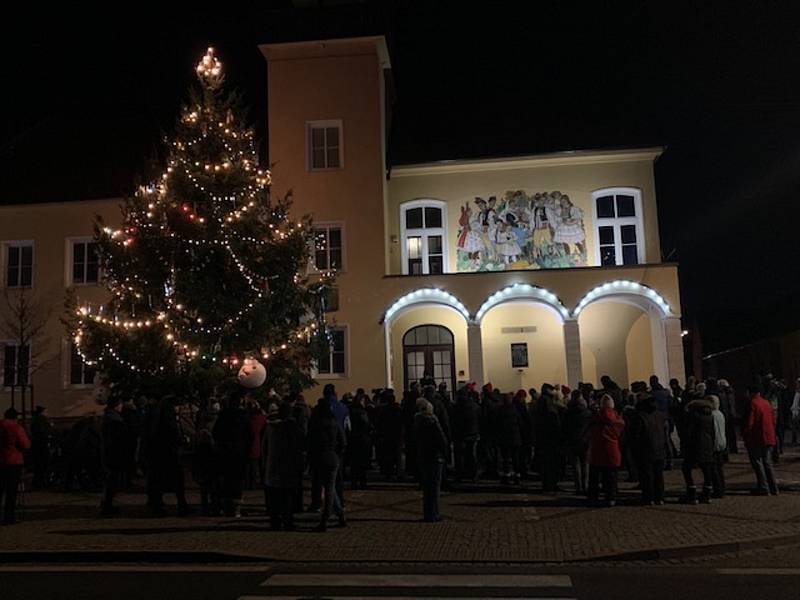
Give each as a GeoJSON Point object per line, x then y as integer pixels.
{"type": "Point", "coordinates": [524, 292]}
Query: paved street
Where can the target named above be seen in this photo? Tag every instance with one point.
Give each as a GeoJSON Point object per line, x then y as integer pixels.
{"type": "Point", "coordinates": [495, 542]}
{"type": "Point", "coordinates": [258, 583]}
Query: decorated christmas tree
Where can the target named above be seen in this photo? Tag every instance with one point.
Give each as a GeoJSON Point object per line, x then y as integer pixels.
{"type": "Point", "coordinates": [207, 272]}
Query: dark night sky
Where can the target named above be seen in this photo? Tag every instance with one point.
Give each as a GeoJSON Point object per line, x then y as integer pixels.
{"type": "Point", "coordinates": [88, 92]}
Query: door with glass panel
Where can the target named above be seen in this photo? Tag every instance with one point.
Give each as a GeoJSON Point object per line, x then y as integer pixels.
{"type": "Point", "coordinates": [428, 351]}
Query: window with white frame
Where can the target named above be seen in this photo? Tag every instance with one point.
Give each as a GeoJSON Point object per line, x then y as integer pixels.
{"type": "Point", "coordinates": [79, 372]}
{"type": "Point", "coordinates": [328, 248]}
{"type": "Point", "coordinates": [324, 143]}
{"type": "Point", "coordinates": [19, 264]}
{"type": "Point", "coordinates": [619, 235]}
{"type": "Point", "coordinates": [423, 225]}
{"type": "Point", "coordinates": [85, 262]}
{"type": "Point", "coordinates": [334, 362]}
{"type": "Point", "coordinates": [16, 364]}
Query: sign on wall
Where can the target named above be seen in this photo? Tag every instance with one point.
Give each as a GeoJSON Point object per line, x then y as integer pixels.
{"type": "Point", "coordinates": [519, 355]}
{"type": "Point", "coordinates": [544, 230]}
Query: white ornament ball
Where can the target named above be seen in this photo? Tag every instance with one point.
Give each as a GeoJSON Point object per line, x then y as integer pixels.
{"type": "Point", "coordinates": [252, 374]}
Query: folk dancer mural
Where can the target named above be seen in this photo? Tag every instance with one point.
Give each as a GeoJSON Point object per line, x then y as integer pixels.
{"type": "Point", "coordinates": [544, 230]}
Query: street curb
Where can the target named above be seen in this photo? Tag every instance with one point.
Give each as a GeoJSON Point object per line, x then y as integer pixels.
{"type": "Point", "coordinates": [177, 557]}
{"type": "Point", "coordinates": [125, 556]}
{"type": "Point", "coordinates": [693, 551]}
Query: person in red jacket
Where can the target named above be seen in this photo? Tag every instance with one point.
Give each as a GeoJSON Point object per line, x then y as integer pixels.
{"type": "Point", "coordinates": [13, 441]}
{"type": "Point", "coordinates": [758, 432]}
{"type": "Point", "coordinates": [605, 430]}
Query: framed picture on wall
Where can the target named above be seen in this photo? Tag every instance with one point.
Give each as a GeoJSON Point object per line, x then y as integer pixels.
{"type": "Point", "coordinates": [519, 355]}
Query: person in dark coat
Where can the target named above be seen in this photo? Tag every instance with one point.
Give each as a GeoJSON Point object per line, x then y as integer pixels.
{"type": "Point", "coordinates": [441, 412]}
{"type": "Point", "coordinates": [605, 431]}
{"type": "Point", "coordinates": [205, 469]}
{"type": "Point", "coordinates": [326, 445]}
{"type": "Point", "coordinates": [509, 430]}
{"type": "Point", "coordinates": [389, 435]}
{"type": "Point", "coordinates": [466, 433]}
{"type": "Point", "coordinates": [409, 409]}
{"type": "Point", "coordinates": [162, 440]}
{"type": "Point", "coordinates": [576, 430]}
{"type": "Point", "coordinates": [526, 431]}
{"type": "Point", "coordinates": [699, 450]}
{"type": "Point", "coordinates": [301, 413]}
{"type": "Point", "coordinates": [41, 434]}
{"type": "Point", "coordinates": [646, 432]}
{"type": "Point", "coordinates": [115, 455]}
{"type": "Point", "coordinates": [611, 388]}
{"type": "Point", "coordinates": [359, 443]}
{"type": "Point", "coordinates": [233, 437]}
{"type": "Point", "coordinates": [432, 446]}
{"type": "Point", "coordinates": [727, 406]}
{"type": "Point", "coordinates": [284, 452]}
{"type": "Point", "coordinates": [547, 427]}
{"type": "Point", "coordinates": [133, 416]}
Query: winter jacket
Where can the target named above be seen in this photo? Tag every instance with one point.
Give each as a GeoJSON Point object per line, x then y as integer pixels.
{"type": "Point", "coordinates": [233, 436]}
{"type": "Point", "coordinates": [727, 402]}
{"type": "Point", "coordinates": [116, 444]}
{"type": "Point", "coordinates": [466, 420]}
{"type": "Point", "coordinates": [389, 423]}
{"type": "Point", "coordinates": [662, 398]}
{"type": "Point", "coordinates": [325, 441]}
{"type": "Point", "coordinates": [285, 441]}
{"type": "Point", "coordinates": [606, 429]}
{"type": "Point", "coordinates": [759, 428]}
{"type": "Point", "coordinates": [646, 433]}
{"type": "Point", "coordinates": [576, 426]}
{"type": "Point", "coordinates": [432, 444]}
{"type": "Point", "coordinates": [257, 423]}
{"type": "Point", "coordinates": [13, 441]}
{"type": "Point", "coordinates": [525, 425]}
{"type": "Point", "coordinates": [440, 411]}
{"type": "Point", "coordinates": [699, 438]}
{"type": "Point", "coordinates": [509, 426]}
{"type": "Point", "coordinates": [720, 436]}
{"type": "Point", "coordinates": [360, 427]}
{"type": "Point", "coordinates": [547, 424]}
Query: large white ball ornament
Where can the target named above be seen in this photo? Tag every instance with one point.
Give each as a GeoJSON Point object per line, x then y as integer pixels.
{"type": "Point", "coordinates": [252, 374]}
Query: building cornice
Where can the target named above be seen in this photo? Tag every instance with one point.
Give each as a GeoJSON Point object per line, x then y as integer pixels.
{"type": "Point", "coordinates": [354, 46]}
{"type": "Point", "coordinates": [555, 159]}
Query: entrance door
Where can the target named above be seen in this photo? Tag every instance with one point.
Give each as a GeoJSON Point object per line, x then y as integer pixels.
{"type": "Point", "coordinates": [428, 350]}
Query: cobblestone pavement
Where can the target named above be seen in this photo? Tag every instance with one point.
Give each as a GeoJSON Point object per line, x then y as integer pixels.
{"type": "Point", "coordinates": [484, 522]}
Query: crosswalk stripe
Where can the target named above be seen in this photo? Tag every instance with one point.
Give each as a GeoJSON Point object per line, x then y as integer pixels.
{"type": "Point", "coordinates": [336, 597]}
{"type": "Point", "coordinates": [379, 580]}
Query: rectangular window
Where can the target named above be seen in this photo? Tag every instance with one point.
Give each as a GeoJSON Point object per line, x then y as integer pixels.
{"type": "Point", "coordinates": [331, 299]}
{"type": "Point", "coordinates": [619, 229]}
{"type": "Point", "coordinates": [328, 248]}
{"type": "Point", "coordinates": [424, 233]}
{"type": "Point", "coordinates": [85, 263]}
{"type": "Point", "coordinates": [334, 361]}
{"type": "Point", "coordinates": [324, 144]}
{"type": "Point", "coordinates": [19, 264]}
{"type": "Point", "coordinates": [16, 364]}
{"type": "Point", "coordinates": [79, 372]}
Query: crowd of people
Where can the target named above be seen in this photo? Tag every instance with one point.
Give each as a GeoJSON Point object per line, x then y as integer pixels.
{"type": "Point", "coordinates": [587, 435]}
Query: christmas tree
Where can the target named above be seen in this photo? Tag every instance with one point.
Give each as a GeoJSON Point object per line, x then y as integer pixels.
{"type": "Point", "coordinates": [207, 271]}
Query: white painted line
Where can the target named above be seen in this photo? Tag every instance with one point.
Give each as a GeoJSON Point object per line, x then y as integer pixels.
{"type": "Point", "coordinates": [337, 597]}
{"type": "Point", "coordinates": [374, 580]}
{"type": "Point", "coordinates": [131, 569]}
{"type": "Point", "coordinates": [758, 571]}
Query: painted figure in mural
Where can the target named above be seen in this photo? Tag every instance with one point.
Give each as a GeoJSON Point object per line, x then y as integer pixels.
{"type": "Point", "coordinates": [507, 247]}
{"type": "Point", "coordinates": [469, 240]}
{"type": "Point", "coordinates": [569, 229]}
{"type": "Point", "coordinates": [541, 225]}
{"type": "Point", "coordinates": [488, 220]}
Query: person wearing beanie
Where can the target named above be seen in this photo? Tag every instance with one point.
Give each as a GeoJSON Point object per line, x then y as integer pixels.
{"type": "Point", "coordinates": [13, 442]}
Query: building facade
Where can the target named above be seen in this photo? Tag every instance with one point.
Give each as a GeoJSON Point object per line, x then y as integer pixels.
{"type": "Point", "coordinates": [514, 271]}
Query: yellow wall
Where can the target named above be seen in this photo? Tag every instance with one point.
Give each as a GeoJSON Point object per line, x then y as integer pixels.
{"type": "Point", "coordinates": [578, 176]}
{"type": "Point", "coordinates": [615, 341]}
{"type": "Point", "coordinates": [429, 315]}
{"type": "Point", "coordinates": [49, 225]}
{"type": "Point", "coordinates": [546, 356]}
{"type": "Point", "coordinates": [639, 350]}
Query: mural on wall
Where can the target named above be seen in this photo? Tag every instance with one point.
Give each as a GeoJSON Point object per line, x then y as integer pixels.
{"type": "Point", "coordinates": [544, 230]}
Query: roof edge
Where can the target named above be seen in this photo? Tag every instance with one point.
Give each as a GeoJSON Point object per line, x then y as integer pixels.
{"type": "Point", "coordinates": [325, 47]}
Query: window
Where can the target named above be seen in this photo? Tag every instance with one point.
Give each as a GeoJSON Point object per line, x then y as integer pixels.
{"type": "Point", "coordinates": [79, 372]}
{"type": "Point", "coordinates": [85, 263]}
{"type": "Point", "coordinates": [619, 238]}
{"type": "Point", "coordinates": [324, 144]}
{"type": "Point", "coordinates": [19, 264]}
{"type": "Point", "coordinates": [423, 224]}
{"type": "Point", "coordinates": [334, 363]}
{"type": "Point", "coordinates": [16, 364]}
{"type": "Point", "coordinates": [328, 248]}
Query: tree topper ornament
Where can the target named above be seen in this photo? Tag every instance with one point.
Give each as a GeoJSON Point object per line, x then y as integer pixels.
{"type": "Point", "coordinates": [209, 70]}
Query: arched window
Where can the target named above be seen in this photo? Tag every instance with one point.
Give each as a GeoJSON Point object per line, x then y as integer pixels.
{"type": "Point", "coordinates": [423, 228]}
{"type": "Point", "coordinates": [618, 230]}
{"type": "Point", "coordinates": [429, 354]}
